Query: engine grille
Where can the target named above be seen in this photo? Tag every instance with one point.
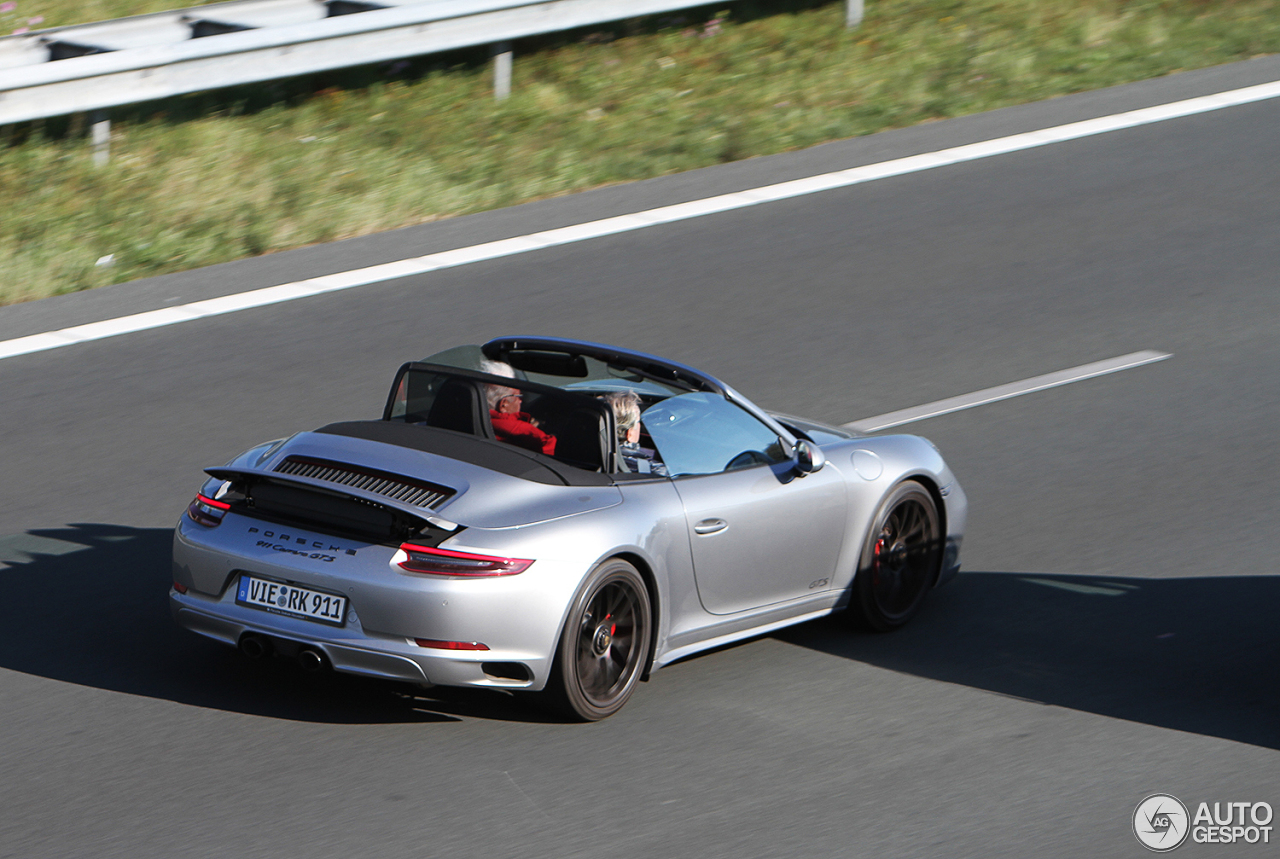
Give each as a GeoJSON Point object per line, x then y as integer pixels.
{"type": "Point", "coordinates": [417, 494]}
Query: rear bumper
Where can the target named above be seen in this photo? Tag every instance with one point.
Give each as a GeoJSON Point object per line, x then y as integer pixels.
{"type": "Point", "coordinates": [383, 658]}
{"type": "Point", "coordinates": [518, 618]}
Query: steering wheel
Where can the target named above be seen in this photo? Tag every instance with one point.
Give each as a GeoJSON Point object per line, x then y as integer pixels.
{"type": "Point", "coordinates": [747, 458]}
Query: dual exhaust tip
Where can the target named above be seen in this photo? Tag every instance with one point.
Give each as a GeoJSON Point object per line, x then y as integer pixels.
{"type": "Point", "coordinates": [257, 646]}
{"type": "Point", "coordinates": [310, 660]}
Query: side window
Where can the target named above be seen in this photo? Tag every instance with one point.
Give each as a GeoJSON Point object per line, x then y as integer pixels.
{"type": "Point", "coordinates": [414, 396]}
{"type": "Point", "coordinates": [703, 433]}
{"type": "Point", "coordinates": [436, 400]}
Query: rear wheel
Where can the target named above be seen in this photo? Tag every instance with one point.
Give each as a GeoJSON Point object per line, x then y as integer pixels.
{"type": "Point", "coordinates": [900, 559]}
{"type": "Point", "coordinates": [604, 643]}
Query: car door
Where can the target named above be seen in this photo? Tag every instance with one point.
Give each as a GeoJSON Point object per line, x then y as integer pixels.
{"type": "Point", "coordinates": [760, 532]}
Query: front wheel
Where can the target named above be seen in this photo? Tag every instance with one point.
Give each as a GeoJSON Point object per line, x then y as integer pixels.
{"type": "Point", "coordinates": [604, 643]}
{"type": "Point", "coordinates": [900, 559]}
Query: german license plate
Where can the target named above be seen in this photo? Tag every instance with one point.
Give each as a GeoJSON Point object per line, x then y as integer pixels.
{"type": "Point", "coordinates": [291, 600]}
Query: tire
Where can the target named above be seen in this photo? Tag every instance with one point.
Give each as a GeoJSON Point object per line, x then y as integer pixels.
{"type": "Point", "coordinates": [604, 644]}
{"type": "Point", "coordinates": [900, 559]}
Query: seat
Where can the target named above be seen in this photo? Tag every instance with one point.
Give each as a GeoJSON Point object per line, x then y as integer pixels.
{"type": "Point", "coordinates": [454, 408]}
{"type": "Point", "coordinates": [581, 439]}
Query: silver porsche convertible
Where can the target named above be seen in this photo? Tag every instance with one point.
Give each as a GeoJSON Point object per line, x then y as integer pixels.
{"type": "Point", "coordinates": [509, 523]}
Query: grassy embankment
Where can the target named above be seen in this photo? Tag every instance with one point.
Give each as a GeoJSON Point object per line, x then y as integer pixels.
{"type": "Point", "coordinates": [215, 177]}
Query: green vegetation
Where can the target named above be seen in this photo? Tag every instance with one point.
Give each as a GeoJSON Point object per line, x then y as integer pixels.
{"type": "Point", "coordinates": [215, 177]}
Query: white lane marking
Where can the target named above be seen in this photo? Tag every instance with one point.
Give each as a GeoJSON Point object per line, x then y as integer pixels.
{"type": "Point", "coordinates": [1005, 392]}
{"type": "Point", "coordinates": [1078, 588]}
{"type": "Point", "coordinates": [637, 221]}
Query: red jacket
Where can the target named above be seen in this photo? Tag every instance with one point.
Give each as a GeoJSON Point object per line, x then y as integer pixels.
{"type": "Point", "coordinates": [519, 430]}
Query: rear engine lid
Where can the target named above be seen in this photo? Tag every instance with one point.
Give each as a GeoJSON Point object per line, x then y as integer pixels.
{"type": "Point", "coordinates": [426, 486]}
{"type": "Point", "coordinates": [286, 502]}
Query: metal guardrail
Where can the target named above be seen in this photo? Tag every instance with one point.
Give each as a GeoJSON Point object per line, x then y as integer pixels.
{"type": "Point", "coordinates": [91, 67]}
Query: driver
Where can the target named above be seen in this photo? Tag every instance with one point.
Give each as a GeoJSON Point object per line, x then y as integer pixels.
{"type": "Point", "coordinates": [626, 417]}
{"type": "Point", "coordinates": [510, 424]}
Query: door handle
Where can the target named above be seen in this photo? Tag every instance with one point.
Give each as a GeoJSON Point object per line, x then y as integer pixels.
{"type": "Point", "coordinates": [710, 526]}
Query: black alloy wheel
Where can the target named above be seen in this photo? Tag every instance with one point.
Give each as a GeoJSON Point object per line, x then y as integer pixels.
{"type": "Point", "coordinates": [900, 559]}
{"type": "Point", "coordinates": [604, 644]}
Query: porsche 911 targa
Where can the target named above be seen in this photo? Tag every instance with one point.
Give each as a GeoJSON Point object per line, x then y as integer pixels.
{"type": "Point", "coordinates": [557, 517]}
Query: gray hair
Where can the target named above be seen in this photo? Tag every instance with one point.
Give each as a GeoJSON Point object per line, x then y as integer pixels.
{"type": "Point", "coordinates": [495, 393]}
{"type": "Point", "coordinates": [626, 410]}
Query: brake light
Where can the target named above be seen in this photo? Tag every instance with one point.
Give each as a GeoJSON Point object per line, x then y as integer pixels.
{"type": "Point", "coordinates": [449, 645]}
{"type": "Point", "coordinates": [180, 587]}
{"type": "Point", "coordinates": [206, 511]}
{"type": "Point", "coordinates": [446, 562]}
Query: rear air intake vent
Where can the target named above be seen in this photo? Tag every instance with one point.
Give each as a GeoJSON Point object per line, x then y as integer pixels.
{"type": "Point", "coordinates": [415, 493]}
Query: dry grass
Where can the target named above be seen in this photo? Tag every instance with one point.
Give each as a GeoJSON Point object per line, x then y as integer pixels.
{"type": "Point", "coordinates": [211, 178]}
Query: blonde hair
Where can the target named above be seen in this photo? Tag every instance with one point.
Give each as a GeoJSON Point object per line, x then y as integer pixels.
{"type": "Point", "coordinates": [626, 411]}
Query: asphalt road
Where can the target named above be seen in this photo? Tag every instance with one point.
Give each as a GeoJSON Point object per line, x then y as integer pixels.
{"type": "Point", "coordinates": [1112, 636]}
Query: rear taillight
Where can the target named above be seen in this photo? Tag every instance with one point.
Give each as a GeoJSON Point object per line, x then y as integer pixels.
{"type": "Point", "coordinates": [206, 511]}
{"type": "Point", "coordinates": [446, 562]}
{"type": "Point", "coordinates": [449, 645]}
{"type": "Point", "coordinates": [180, 587]}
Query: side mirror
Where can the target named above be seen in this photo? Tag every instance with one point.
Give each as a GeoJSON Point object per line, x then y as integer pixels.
{"type": "Point", "coordinates": [809, 457]}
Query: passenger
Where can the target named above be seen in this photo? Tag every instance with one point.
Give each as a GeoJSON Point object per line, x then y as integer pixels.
{"type": "Point", "coordinates": [626, 417]}
{"type": "Point", "coordinates": [510, 424]}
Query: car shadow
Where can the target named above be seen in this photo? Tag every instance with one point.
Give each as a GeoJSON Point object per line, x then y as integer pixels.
{"type": "Point", "coordinates": [1192, 654]}
{"type": "Point", "coordinates": [88, 604]}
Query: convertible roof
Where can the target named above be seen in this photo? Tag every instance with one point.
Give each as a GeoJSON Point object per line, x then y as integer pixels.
{"type": "Point", "coordinates": [501, 349]}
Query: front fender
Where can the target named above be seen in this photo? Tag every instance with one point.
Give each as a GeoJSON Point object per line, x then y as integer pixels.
{"type": "Point", "coordinates": [873, 466]}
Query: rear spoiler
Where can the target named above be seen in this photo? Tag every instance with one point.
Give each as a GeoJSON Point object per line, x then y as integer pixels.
{"type": "Point", "coordinates": [249, 477]}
